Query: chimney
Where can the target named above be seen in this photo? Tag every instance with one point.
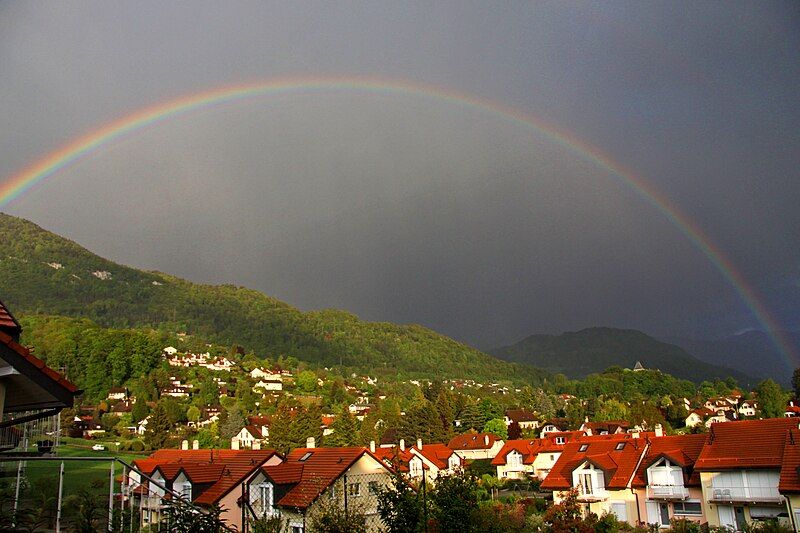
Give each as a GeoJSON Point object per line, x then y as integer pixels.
{"type": "Point", "coordinates": [635, 435]}
{"type": "Point", "coordinates": [310, 442]}
{"type": "Point", "coordinates": [402, 445]}
{"type": "Point", "coordinates": [419, 444]}
{"type": "Point", "coordinates": [486, 440]}
{"type": "Point", "coordinates": [372, 446]}
{"type": "Point", "coordinates": [659, 430]}
{"type": "Point", "coordinates": [184, 445]}
{"type": "Point", "coordinates": [195, 444]}
{"type": "Point", "coordinates": [256, 445]}
{"type": "Point", "coordinates": [234, 444]}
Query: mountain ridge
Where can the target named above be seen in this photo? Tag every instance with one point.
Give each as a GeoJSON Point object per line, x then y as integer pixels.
{"type": "Point", "coordinates": [577, 354]}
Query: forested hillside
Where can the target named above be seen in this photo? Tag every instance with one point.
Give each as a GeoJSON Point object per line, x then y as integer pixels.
{"type": "Point", "coordinates": [43, 273]}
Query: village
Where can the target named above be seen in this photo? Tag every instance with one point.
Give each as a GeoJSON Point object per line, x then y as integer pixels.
{"type": "Point", "coordinates": [268, 452]}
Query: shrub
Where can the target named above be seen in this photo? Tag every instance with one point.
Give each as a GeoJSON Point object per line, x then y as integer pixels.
{"type": "Point", "coordinates": [136, 446]}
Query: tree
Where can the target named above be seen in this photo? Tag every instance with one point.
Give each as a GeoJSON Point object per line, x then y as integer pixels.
{"type": "Point", "coordinates": [771, 399]}
{"type": "Point", "coordinates": [156, 433]}
{"type": "Point", "coordinates": [514, 430]}
{"type": "Point", "coordinates": [193, 414]}
{"type": "Point", "coordinates": [455, 503]}
{"type": "Point", "coordinates": [421, 422]}
{"type": "Point", "coordinates": [612, 410]}
{"type": "Point", "coordinates": [400, 507]}
{"type": "Point", "coordinates": [567, 516]}
{"type": "Point", "coordinates": [498, 427]}
{"type": "Point", "coordinates": [345, 430]}
{"type": "Point", "coordinates": [233, 424]}
{"type": "Point", "coordinates": [796, 383]}
{"type": "Point", "coordinates": [307, 381]}
{"type": "Point", "coordinates": [472, 418]}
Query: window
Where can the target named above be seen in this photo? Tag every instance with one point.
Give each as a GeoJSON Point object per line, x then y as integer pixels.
{"type": "Point", "coordinates": [186, 490]}
{"type": "Point", "coordinates": [620, 511]}
{"type": "Point", "coordinates": [583, 448]}
{"type": "Point", "coordinates": [620, 446]}
{"type": "Point", "coordinates": [265, 498]}
{"type": "Point", "coordinates": [374, 489]}
{"type": "Point", "coordinates": [688, 508]}
{"type": "Point", "coordinates": [354, 489]}
{"type": "Point", "coordinates": [561, 440]}
{"type": "Point", "coordinates": [296, 527]}
{"type": "Point", "coordinates": [586, 483]}
{"type": "Point", "coordinates": [514, 459]}
{"type": "Point", "coordinates": [306, 456]}
{"type": "Point", "coordinates": [415, 468]}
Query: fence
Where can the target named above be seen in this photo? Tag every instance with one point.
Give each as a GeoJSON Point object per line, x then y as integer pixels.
{"type": "Point", "coordinates": [46, 493]}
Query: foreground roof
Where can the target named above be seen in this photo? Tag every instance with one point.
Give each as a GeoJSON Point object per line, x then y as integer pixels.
{"type": "Point", "coordinates": [745, 444]}
{"type": "Point", "coordinates": [618, 465]}
{"type": "Point", "coordinates": [682, 450]}
{"type": "Point", "coordinates": [220, 470]}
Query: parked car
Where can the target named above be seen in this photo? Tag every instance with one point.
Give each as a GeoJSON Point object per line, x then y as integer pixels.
{"type": "Point", "coordinates": [98, 447]}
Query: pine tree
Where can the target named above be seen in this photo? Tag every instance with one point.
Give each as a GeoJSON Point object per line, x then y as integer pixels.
{"type": "Point", "coordinates": [345, 430]}
{"type": "Point", "coordinates": [281, 428]}
{"type": "Point", "coordinates": [233, 423]}
{"type": "Point", "coordinates": [445, 410]}
{"type": "Point", "coordinates": [156, 433]}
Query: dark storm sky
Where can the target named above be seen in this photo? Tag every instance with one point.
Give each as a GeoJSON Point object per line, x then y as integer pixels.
{"type": "Point", "coordinates": [408, 209]}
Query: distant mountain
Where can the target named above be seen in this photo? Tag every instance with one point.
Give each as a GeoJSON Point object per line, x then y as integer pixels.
{"type": "Point", "coordinates": [752, 352]}
{"type": "Point", "coordinates": [580, 353]}
{"type": "Point", "coordinates": [45, 274]}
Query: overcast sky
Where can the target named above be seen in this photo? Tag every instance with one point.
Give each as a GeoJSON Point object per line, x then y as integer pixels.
{"type": "Point", "coordinates": [411, 209]}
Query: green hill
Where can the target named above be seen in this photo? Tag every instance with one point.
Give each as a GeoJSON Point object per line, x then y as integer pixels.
{"type": "Point", "coordinates": [44, 274]}
{"type": "Point", "coordinates": [580, 353]}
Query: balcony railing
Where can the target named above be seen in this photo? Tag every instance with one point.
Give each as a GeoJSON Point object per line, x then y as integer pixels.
{"type": "Point", "coordinates": [667, 492]}
{"type": "Point", "coordinates": [592, 494]}
{"type": "Point", "coordinates": [745, 494]}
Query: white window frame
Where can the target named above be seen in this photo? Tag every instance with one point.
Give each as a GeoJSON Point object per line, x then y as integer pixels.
{"type": "Point", "coordinates": [683, 512]}
{"type": "Point", "coordinates": [415, 467]}
{"type": "Point", "coordinates": [266, 494]}
{"type": "Point", "coordinates": [354, 490]}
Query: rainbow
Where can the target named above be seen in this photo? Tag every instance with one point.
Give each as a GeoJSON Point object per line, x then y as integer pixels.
{"type": "Point", "coordinates": [15, 186]}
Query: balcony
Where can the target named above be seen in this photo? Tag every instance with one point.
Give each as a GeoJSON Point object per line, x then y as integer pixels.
{"type": "Point", "coordinates": [591, 494]}
{"type": "Point", "coordinates": [744, 495]}
{"type": "Point", "coordinates": [667, 492]}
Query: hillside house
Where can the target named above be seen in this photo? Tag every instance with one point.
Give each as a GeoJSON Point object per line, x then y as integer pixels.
{"type": "Point", "coordinates": [531, 458]}
{"type": "Point", "coordinates": [554, 425]}
{"type": "Point", "coordinates": [525, 418]}
{"type": "Point", "coordinates": [254, 435]}
{"type": "Point", "coordinates": [471, 446]}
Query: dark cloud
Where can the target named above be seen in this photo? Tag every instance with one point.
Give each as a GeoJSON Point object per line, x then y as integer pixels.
{"type": "Point", "coordinates": [414, 210]}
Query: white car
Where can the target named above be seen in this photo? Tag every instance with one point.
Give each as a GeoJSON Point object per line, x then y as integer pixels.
{"type": "Point", "coordinates": [98, 447]}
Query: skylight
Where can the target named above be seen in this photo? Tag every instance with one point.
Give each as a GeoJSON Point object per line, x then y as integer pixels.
{"type": "Point", "coordinates": [306, 456]}
{"type": "Point", "coordinates": [620, 446]}
{"type": "Point", "coordinates": [583, 447]}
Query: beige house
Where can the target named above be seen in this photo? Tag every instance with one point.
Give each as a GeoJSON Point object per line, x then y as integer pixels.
{"type": "Point", "coordinates": [311, 478]}
{"type": "Point", "coordinates": [471, 446]}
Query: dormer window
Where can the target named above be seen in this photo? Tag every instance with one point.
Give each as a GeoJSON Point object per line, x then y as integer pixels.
{"type": "Point", "coordinates": [583, 448]}
{"type": "Point", "coordinates": [561, 440]}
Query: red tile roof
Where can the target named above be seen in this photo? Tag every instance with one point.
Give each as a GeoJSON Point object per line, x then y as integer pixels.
{"type": "Point", "coordinates": [618, 465]}
{"type": "Point", "coordinates": [394, 457]}
{"type": "Point", "coordinates": [522, 415]}
{"type": "Point", "coordinates": [745, 444]}
{"type": "Point", "coordinates": [790, 469]}
{"type": "Point", "coordinates": [9, 324]}
{"type": "Point", "coordinates": [316, 473]}
{"type": "Point", "coordinates": [527, 447]}
{"type": "Point", "coordinates": [223, 470]}
{"type": "Point", "coordinates": [682, 450]}
{"type": "Point", "coordinates": [255, 431]}
{"type": "Point", "coordinates": [438, 454]}
{"type": "Point", "coordinates": [473, 441]}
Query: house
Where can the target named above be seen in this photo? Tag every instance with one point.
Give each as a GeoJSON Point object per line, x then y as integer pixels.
{"type": "Point", "coordinates": [792, 410]}
{"type": "Point", "coordinates": [28, 387]}
{"type": "Point", "coordinates": [268, 384]}
{"type": "Point", "coordinates": [667, 483]}
{"type": "Point", "coordinates": [707, 416]}
{"type": "Point", "coordinates": [748, 408]}
{"type": "Point", "coordinates": [204, 477]}
{"type": "Point", "coordinates": [525, 418]}
{"type": "Point", "coordinates": [609, 427]}
{"type": "Point", "coordinates": [554, 425]}
{"type": "Point", "coordinates": [528, 458]}
{"type": "Point", "coordinates": [118, 393]}
{"type": "Point", "coordinates": [432, 459]}
{"type": "Point", "coordinates": [471, 446]}
{"type": "Point", "coordinates": [740, 469]}
{"type": "Point", "coordinates": [601, 470]}
{"type": "Point", "coordinates": [310, 478]}
{"type": "Point", "coordinates": [253, 435]}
